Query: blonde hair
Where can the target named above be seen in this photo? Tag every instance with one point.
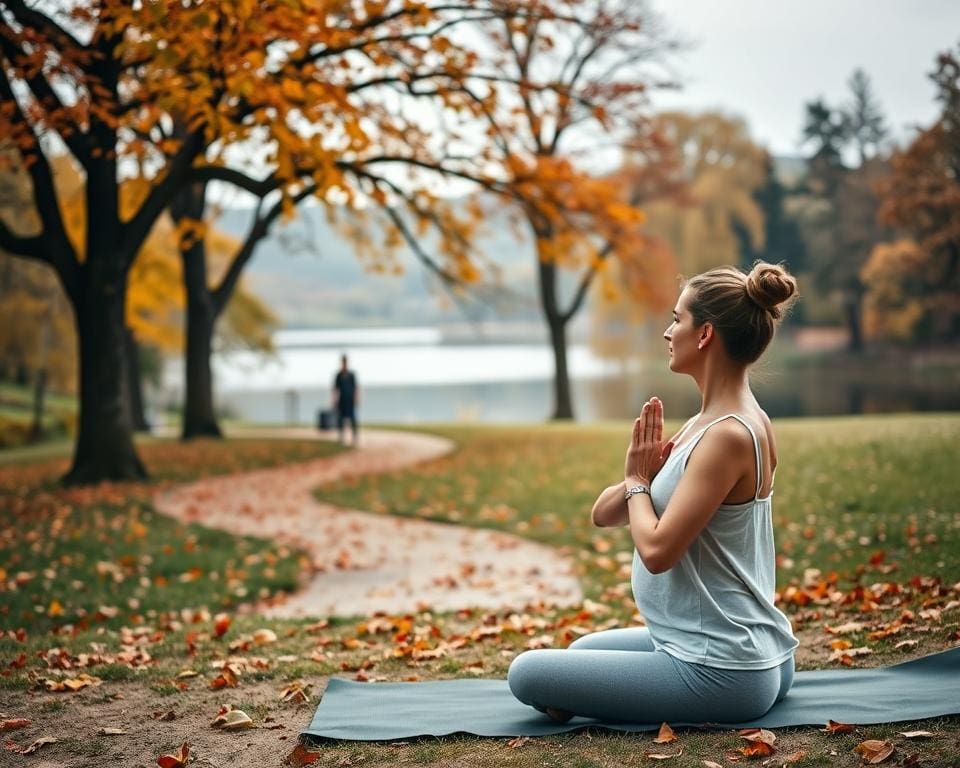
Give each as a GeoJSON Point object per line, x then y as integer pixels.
{"type": "Point", "coordinates": [745, 309]}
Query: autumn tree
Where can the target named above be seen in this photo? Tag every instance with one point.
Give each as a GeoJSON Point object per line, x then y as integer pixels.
{"type": "Point", "coordinates": [168, 93]}
{"type": "Point", "coordinates": [914, 282]}
{"type": "Point", "coordinates": [723, 168]}
{"type": "Point", "coordinates": [571, 80]}
{"type": "Point", "coordinates": [844, 226]}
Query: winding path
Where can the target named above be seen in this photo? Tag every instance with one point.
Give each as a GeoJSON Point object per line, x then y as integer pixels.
{"type": "Point", "coordinates": [365, 562]}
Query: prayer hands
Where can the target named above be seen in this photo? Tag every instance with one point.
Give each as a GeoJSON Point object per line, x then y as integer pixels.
{"type": "Point", "coordinates": [646, 453]}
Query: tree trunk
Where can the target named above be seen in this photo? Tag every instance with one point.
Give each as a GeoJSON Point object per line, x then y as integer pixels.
{"type": "Point", "coordinates": [557, 326]}
{"type": "Point", "coordinates": [199, 418]}
{"type": "Point", "coordinates": [39, 391]}
{"type": "Point", "coordinates": [853, 309]}
{"type": "Point", "coordinates": [104, 448]}
{"type": "Point", "coordinates": [134, 385]}
{"type": "Point", "coordinates": [562, 402]}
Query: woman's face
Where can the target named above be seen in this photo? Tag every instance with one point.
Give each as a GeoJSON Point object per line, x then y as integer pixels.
{"type": "Point", "coordinates": [681, 335]}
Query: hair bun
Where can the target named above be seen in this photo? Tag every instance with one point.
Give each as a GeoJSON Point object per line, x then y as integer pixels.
{"type": "Point", "coordinates": [771, 286]}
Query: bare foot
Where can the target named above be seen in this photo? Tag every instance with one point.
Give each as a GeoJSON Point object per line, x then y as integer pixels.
{"type": "Point", "coordinates": [558, 715]}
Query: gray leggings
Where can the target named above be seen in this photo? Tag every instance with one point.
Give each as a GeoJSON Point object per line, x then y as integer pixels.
{"type": "Point", "coordinates": [618, 675]}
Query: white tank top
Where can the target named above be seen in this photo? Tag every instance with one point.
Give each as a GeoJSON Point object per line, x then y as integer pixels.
{"type": "Point", "coordinates": [715, 606]}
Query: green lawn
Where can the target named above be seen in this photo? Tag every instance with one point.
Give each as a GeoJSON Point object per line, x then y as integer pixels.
{"type": "Point", "coordinates": [847, 490]}
{"type": "Point", "coordinates": [871, 503]}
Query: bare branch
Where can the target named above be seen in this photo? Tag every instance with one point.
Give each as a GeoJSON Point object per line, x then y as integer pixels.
{"type": "Point", "coordinates": [585, 283]}
{"type": "Point", "coordinates": [260, 188]}
{"type": "Point", "coordinates": [261, 226]}
{"type": "Point", "coordinates": [136, 230]}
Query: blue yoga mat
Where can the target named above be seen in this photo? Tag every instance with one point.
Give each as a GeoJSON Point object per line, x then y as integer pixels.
{"type": "Point", "coordinates": [925, 687]}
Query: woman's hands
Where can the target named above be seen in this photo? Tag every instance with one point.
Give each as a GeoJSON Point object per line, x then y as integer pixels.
{"type": "Point", "coordinates": [646, 453]}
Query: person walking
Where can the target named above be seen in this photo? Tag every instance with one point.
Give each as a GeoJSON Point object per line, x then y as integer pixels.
{"type": "Point", "coordinates": [715, 648]}
{"type": "Point", "coordinates": [346, 398]}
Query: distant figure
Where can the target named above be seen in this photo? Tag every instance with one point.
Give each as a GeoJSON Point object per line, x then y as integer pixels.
{"type": "Point", "coordinates": [346, 397]}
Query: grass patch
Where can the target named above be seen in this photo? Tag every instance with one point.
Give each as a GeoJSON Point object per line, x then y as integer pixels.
{"type": "Point", "coordinates": [847, 490]}
{"type": "Point", "coordinates": [872, 498]}
{"type": "Point", "coordinates": [75, 556]}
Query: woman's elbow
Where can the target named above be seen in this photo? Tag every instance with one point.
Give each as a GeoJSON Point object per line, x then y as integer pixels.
{"type": "Point", "coordinates": [657, 561]}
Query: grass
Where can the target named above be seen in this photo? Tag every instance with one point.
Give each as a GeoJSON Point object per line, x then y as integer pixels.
{"type": "Point", "coordinates": [76, 554]}
{"type": "Point", "coordinates": [847, 490]}
{"type": "Point", "coordinates": [873, 499]}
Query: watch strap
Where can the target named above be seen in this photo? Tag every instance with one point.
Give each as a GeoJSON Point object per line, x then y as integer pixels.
{"type": "Point", "coordinates": [634, 490]}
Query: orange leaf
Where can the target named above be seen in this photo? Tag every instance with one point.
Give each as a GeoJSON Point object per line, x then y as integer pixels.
{"type": "Point", "coordinates": [874, 751]}
{"type": "Point", "coordinates": [834, 727]}
{"type": "Point", "coordinates": [221, 624]}
{"type": "Point", "coordinates": [177, 760]}
{"type": "Point", "coordinates": [666, 735]}
{"type": "Point", "coordinates": [301, 756]}
{"type": "Point", "coordinates": [18, 722]}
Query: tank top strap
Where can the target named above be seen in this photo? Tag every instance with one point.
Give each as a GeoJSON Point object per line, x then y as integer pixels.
{"type": "Point", "coordinates": [756, 446]}
{"type": "Point", "coordinates": [756, 450]}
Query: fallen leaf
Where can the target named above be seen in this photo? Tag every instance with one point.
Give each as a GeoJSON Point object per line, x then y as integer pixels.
{"type": "Point", "coordinates": [711, 764]}
{"type": "Point", "coordinates": [37, 744]}
{"type": "Point", "coordinates": [186, 673]}
{"type": "Point", "coordinates": [792, 757]}
{"type": "Point", "coordinates": [834, 727]}
{"type": "Point", "coordinates": [111, 731]}
{"type": "Point", "coordinates": [264, 637]}
{"type": "Point", "coordinates": [519, 741]}
{"type": "Point", "coordinates": [72, 684]}
{"type": "Point", "coordinates": [296, 692]}
{"type": "Point", "coordinates": [916, 734]}
{"type": "Point", "coordinates": [666, 735]}
{"type": "Point", "coordinates": [177, 760]}
{"type": "Point", "coordinates": [165, 717]}
{"type": "Point", "coordinates": [233, 720]}
{"type": "Point", "coordinates": [874, 751]}
{"type": "Point", "coordinates": [662, 755]}
{"type": "Point", "coordinates": [13, 723]}
{"type": "Point", "coordinates": [301, 756]}
{"type": "Point", "coordinates": [226, 679]}
{"type": "Point", "coordinates": [221, 623]}
{"type": "Point", "coordinates": [758, 735]}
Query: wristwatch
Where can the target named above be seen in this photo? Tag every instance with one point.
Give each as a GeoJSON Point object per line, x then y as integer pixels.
{"type": "Point", "coordinates": [634, 491]}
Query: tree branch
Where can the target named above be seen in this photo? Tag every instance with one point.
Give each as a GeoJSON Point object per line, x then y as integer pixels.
{"type": "Point", "coordinates": [41, 23]}
{"type": "Point", "coordinates": [261, 226]}
{"type": "Point", "coordinates": [48, 99]}
{"type": "Point", "coordinates": [136, 230]}
{"type": "Point", "coordinates": [585, 283]}
{"type": "Point", "coordinates": [239, 179]}
{"type": "Point", "coordinates": [55, 245]}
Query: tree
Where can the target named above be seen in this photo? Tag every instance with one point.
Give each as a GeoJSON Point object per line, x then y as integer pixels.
{"type": "Point", "coordinates": [173, 90]}
{"type": "Point", "coordinates": [845, 226]}
{"type": "Point", "coordinates": [918, 278]}
{"type": "Point", "coordinates": [723, 168]}
{"type": "Point", "coordinates": [864, 117]}
{"type": "Point", "coordinates": [583, 70]}
{"type": "Point", "coordinates": [782, 240]}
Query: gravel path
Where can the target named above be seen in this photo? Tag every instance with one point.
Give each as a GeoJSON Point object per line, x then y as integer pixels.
{"type": "Point", "coordinates": [365, 562]}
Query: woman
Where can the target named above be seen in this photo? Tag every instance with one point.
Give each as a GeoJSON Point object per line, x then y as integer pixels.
{"type": "Point", "coordinates": [715, 648]}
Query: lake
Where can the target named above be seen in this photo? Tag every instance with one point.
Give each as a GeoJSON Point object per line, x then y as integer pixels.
{"type": "Point", "coordinates": [411, 375]}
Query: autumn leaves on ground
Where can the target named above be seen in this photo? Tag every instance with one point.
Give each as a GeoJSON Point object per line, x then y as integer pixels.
{"type": "Point", "coordinates": [127, 634]}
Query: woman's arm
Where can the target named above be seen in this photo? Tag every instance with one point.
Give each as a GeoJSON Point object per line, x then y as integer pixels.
{"type": "Point", "coordinates": [610, 509]}
{"type": "Point", "coordinates": [718, 462]}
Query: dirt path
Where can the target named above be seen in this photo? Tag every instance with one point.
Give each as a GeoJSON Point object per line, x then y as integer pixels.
{"type": "Point", "coordinates": [367, 562]}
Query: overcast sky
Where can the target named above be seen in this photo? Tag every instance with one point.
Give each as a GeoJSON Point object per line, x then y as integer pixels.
{"type": "Point", "coordinates": [762, 59]}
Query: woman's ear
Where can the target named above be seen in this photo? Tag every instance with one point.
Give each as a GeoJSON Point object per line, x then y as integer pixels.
{"type": "Point", "coordinates": [706, 335]}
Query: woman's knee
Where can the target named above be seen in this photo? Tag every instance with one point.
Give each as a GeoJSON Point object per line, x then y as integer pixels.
{"type": "Point", "coordinates": [521, 676]}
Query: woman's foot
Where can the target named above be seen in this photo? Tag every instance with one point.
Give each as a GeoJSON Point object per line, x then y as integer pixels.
{"type": "Point", "coordinates": [558, 715]}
